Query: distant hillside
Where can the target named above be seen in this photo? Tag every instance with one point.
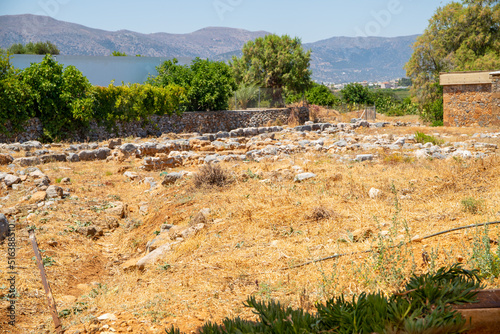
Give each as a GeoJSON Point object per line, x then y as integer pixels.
{"type": "Point", "coordinates": [338, 59]}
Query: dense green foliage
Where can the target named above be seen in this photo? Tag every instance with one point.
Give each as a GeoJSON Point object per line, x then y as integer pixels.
{"type": "Point", "coordinates": [208, 84]}
{"type": "Point", "coordinates": [14, 97]}
{"type": "Point", "coordinates": [244, 94]}
{"type": "Point", "coordinates": [38, 48]}
{"type": "Point", "coordinates": [276, 62]}
{"type": "Point", "coordinates": [65, 101]}
{"type": "Point", "coordinates": [322, 96]}
{"type": "Point", "coordinates": [423, 306]}
{"type": "Point", "coordinates": [118, 54]}
{"type": "Point", "coordinates": [134, 102]}
{"type": "Point", "coordinates": [355, 93]}
{"type": "Point", "coordinates": [461, 36]}
{"type": "Point", "coordinates": [58, 95]}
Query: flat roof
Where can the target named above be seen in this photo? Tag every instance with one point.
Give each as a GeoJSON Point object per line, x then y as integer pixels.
{"type": "Point", "coordinates": [465, 78]}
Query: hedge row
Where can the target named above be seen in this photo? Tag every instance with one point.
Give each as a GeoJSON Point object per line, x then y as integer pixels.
{"type": "Point", "coordinates": [65, 101]}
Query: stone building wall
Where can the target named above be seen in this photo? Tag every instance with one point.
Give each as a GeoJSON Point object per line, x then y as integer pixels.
{"type": "Point", "coordinates": [468, 105]}
{"type": "Point", "coordinates": [202, 122]}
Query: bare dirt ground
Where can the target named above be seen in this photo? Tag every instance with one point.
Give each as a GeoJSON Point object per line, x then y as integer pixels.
{"type": "Point", "coordinates": [254, 230]}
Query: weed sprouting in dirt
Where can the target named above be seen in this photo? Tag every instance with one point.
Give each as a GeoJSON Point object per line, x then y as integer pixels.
{"type": "Point", "coordinates": [472, 205]}
{"type": "Point", "coordinates": [212, 175]}
{"type": "Point", "coordinates": [422, 138]}
{"type": "Point", "coordinates": [392, 257]}
{"type": "Point", "coordinates": [483, 257]}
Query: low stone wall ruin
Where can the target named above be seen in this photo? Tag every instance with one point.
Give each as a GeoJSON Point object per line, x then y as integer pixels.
{"type": "Point", "coordinates": [202, 122]}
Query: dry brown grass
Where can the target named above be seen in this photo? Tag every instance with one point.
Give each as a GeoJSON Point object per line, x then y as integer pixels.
{"type": "Point", "coordinates": [256, 230]}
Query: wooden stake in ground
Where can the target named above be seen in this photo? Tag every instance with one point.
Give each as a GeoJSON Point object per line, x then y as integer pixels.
{"type": "Point", "coordinates": [48, 292]}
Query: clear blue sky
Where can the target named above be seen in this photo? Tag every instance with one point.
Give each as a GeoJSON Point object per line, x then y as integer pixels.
{"type": "Point", "coordinates": [311, 20]}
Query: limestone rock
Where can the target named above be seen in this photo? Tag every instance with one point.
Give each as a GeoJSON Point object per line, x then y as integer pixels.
{"type": "Point", "coordinates": [42, 181]}
{"type": "Point", "coordinates": [107, 317]}
{"type": "Point", "coordinates": [86, 155]}
{"type": "Point", "coordinates": [153, 256]}
{"type": "Point", "coordinates": [131, 175]}
{"type": "Point", "coordinates": [374, 193]}
{"type": "Point", "coordinates": [171, 178]}
{"type": "Point", "coordinates": [27, 161]}
{"type": "Point", "coordinates": [46, 158]}
{"type": "Point", "coordinates": [304, 176]}
{"type": "Point", "coordinates": [54, 192]}
{"type": "Point", "coordinates": [90, 231]}
{"type": "Point", "coordinates": [39, 196]}
{"type": "Point", "coordinates": [161, 161]}
{"type": "Point", "coordinates": [118, 209]}
{"type": "Point", "coordinates": [102, 153]}
{"type": "Point", "coordinates": [364, 157]}
{"type": "Point", "coordinates": [128, 148]}
{"type": "Point", "coordinates": [6, 159]}
{"type": "Point", "coordinates": [10, 179]}
{"type": "Point", "coordinates": [4, 227]}
{"type": "Point", "coordinates": [114, 143]}
{"type": "Point", "coordinates": [73, 157]}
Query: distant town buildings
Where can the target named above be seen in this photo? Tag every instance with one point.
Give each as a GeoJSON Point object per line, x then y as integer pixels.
{"type": "Point", "coordinates": [391, 84]}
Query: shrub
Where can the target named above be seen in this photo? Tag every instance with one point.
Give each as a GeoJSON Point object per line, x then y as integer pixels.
{"type": "Point", "coordinates": [422, 138]}
{"type": "Point", "coordinates": [322, 96]}
{"type": "Point", "coordinates": [319, 213]}
{"type": "Point", "coordinates": [210, 175]}
{"type": "Point", "coordinates": [135, 102]}
{"type": "Point", "coordinates": [245, 94]}
{"type": "Point", "coordinates": [472, 205]}
{"type": "Point", "coordinates": [15, 101]}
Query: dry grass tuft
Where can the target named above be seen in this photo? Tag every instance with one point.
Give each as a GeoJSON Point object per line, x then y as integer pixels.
{"type": "Point", "coordinates": [319, 213]}
{"type": "Point", "coordinates": [212, 175]}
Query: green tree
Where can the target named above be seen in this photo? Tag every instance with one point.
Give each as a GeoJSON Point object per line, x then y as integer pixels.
{"type": "Point", "coordinates": [211, 86]}
{"type": "Point", "coordinates": [171, 72]}
{"type": "Point", "coordinates": [38, 48]}
{"type": "Point", "coordinates": [118, 54]}
{"type": "Point", "coordinates": [276, 62]}
{"type": "Point", "coordinates": [208, 84]}
{"type": "Point", "coordinates": [59, 97]}
{"type": "Point", "coordinates": [322, 96]}
{"type": "Point", "coordinates": [461, 36]}
{"type": "Point", "coordinates": [355, 93]}
{"type": "Point", "coordinates": [404, 82]}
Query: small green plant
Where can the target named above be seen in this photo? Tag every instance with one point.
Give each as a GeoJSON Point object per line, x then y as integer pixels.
{"type": "Point", "coordinates": [483, 258]}
{"type": "Point", "coordinates": [253, 175]}
{"type": "Point", "coordinates": [164, 266]}
{"type": "Point", "coordinates": [108, 173]}
{"type": "Point", "coordinates": [472, 205]}
{"type": "Point", "coordinates": [422, 138]}
{"type": "Point", "coordinates": [59, 179]}
{"type": "Point", "coordinates": [77, 309]}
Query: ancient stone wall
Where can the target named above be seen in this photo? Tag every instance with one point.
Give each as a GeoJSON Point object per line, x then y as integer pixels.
{"type": "Point", "coordinates": [202, 122]}
{"type": "Point", "coordinates": [468, 105]}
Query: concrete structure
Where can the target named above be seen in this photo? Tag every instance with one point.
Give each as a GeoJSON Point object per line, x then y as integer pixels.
{"type": "Point", "coordinates": [101, 70]}
{"type": "Point", "coordinates": [471, 98]}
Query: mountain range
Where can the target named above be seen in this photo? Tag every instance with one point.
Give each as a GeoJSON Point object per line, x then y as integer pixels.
{"type": "Point", "coordinates": [337, 59]}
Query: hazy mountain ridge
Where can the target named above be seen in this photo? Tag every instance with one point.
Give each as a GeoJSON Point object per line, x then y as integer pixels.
{"type": "Point", "coordinates": [337, 59]}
